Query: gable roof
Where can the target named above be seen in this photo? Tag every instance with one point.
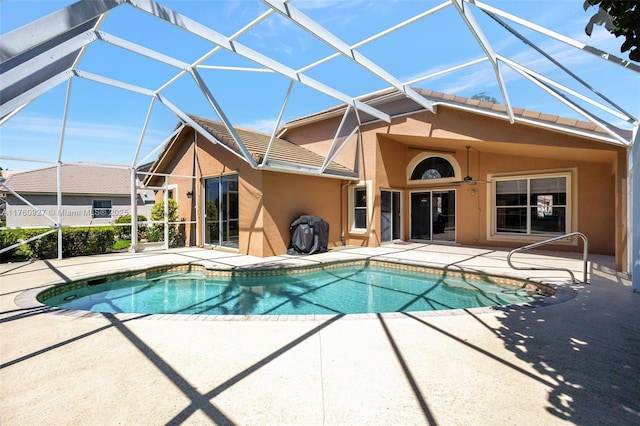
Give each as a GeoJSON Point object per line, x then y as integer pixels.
{"type": "Point", "coordinates": [284, 156]}
{"type": "Point", "coordinates": [80, 180]}
{"type": "Point", "coordinates": [395, 104]}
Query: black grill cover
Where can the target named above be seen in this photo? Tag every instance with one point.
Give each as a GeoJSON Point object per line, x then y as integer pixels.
{"type": "Point", "coordinates": [309, 235]}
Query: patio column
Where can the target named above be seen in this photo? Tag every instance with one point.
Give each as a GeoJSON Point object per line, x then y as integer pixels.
{"type": "Point", "coordinates": [134, 211]}
{"type": "Point", "coordinates": [59, 206]}
{"type": "Point", "coordinates": [634, 214]}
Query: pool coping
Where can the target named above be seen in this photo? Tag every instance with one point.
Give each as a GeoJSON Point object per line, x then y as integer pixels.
{"type": "Point", "coordinates": [560, 293]}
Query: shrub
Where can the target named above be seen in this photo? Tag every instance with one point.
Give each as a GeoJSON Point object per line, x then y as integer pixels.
{"type": "Point", "coordinates": [124, 232]}
{"type": "Point", "coordinates": [75, 242]}
{"type": "Point", "coordinates": [9, 238]}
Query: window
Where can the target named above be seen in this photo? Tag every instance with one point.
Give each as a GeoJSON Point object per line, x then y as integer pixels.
{"type": "Point", "coordinates": [360, 208]}
{"type": "Point", "coordinates": [101, 209]}
{"type": "Point", "coordinates": [433, 168]}
{"type": "Point", "coordinates": [532, 205]}
{"type": "Point", "coordinates": [360, 204]}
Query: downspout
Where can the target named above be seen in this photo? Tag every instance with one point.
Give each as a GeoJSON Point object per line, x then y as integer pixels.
{"type": "Point", "coordinates": [165, 197]}
{"type": "Point", "coordinates": [196, 190]}
{"type": "Point", "coordinates": [343, 233]}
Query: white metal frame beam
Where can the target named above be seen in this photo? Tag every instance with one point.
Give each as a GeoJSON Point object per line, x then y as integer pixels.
{"type": "Point", "coordinates": [33, 93]}
{"type": "Point", "coordinates": [141, 50]}
{"type": "Point", "coordinates": [186, 119]}
{"type": "Point", "coordinates": [335, 148]}
{"type": "Point", "coordinates": [547, 32]}
{"type": "Point", "coordinates": [277, 125]}
{"type": "Point", "coordinates": [212, 36]}
{"type": "Point", "coordinates": [50, 26]}
{"type": "Point", "coordinates": [563, 99]}
{"type": "Point", "coordinates": [627, 116]}
{"type": "Point", "coordinates": [378, 35]}
{"type": "Point", "coordinates": [223, 117]}
{"type": "Point", "coordinates": [27, 202]}
{"type": "Point", "coordinates": [308, 24]}
{"type": "Point", "coordinates": [44, 59]}
{"type": "Point", "coordinates": [485, 44]}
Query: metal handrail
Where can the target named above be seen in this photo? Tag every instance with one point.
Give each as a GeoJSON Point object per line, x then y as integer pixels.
{"type": "Point", "coordinates": [550, 240]}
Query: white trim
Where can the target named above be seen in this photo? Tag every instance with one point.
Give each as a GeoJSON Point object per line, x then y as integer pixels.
{"type": "Point", "coordinates": [571, 206]}
{"type": "Point", "coordinates": [457, 171]}
{"type": "Point", "coordinates": [367, 185]}
{"type": "Point", "coordinates": [172, 187]}
{"type": "Point", "coordinates": [401, 207]}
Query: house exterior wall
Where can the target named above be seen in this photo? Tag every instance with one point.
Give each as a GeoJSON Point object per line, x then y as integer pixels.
{"type": "Point", "coordinates": [268, 201]}
{"type": "Point", "coordinates": [288, 196]}
{"type": "Point", "coordinates": [76, 210]}
{"type": "Point", "coordinates": [597, 170]}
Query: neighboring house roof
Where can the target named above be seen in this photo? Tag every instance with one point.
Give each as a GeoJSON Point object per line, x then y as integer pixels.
{"type": "Point", "coordinates": [6, 174]}
{"type": "Point", "coordinates": [398, 104]}
{"type": "Point", "coordinates": [257, 144]}
{"type": "Point", "coordinates": [76, 179]}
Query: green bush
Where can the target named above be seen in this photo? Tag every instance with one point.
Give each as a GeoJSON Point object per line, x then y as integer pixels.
{"type": "Point", "coordinates": [9, 238]}
{"type": "Point", "coordinates": [124, 232]}
{"type": "Point", "coordinates": [75, 242]}
{"type": "Point", "coordinates": [155, 232]}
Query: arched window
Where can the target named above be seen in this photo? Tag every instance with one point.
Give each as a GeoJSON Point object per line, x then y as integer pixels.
{"type": "Point", "coordinates": [433, 168]}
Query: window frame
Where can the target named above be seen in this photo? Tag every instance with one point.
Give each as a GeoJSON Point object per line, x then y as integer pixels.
{"type": "Point", "coordinates": [570, 206]}
{"type": "Point", "coordinates": [94, 208]}
{"type": "Point", "coordinates": [203, 210]}
{"type": "Point", "coordinates": [366, 185]}
{"type": "Point", "coordinates": [457, 171]}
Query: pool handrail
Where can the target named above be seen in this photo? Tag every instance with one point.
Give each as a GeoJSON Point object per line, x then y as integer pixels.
{"type": "Point", "coordinates": [585, 254]}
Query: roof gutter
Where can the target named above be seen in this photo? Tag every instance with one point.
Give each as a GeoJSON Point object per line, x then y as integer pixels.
{"type": "Point", "coordinates": [295, 169]}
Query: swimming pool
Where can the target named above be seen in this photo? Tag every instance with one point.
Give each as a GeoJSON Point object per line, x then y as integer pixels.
{"type": "Point", "coordinates": [343, 288]}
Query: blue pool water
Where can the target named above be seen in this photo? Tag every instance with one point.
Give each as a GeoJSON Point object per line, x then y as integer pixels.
{"type": "Point", "coordinates": [343, 290]}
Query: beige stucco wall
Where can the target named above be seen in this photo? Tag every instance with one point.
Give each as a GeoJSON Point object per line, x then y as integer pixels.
{"type": "Point", "coordinates": [287, 196]}
{"type": "Point", "coordinates": [269, 200]}
{"type": "Point", "coordinates": [497, 147]}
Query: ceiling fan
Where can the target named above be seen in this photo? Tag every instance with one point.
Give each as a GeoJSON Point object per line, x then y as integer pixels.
{"type": "Point", "coordinates": [468, 179]}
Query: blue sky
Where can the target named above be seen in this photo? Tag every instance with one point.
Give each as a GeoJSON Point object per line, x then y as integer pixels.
{"type": "Point", "coordinates": [104, 123]}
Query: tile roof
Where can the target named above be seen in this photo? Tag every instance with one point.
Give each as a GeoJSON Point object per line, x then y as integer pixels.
{"type": "Point", "coordinates": [518, 112]}
{"type": "Point", "coordinates": [257, 143]}
{"type": "Point", "coordinates": [453, 100]}
{"type": "Point", "coordinates": [75, 180]}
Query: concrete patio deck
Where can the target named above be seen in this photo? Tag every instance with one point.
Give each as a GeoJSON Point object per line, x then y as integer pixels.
{"type": "Point", "coordinates": [577, 361]}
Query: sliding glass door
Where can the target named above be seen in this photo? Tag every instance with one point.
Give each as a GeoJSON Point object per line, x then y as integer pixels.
{"type": "Point", "coordinates": [433, 215]}
{"type": "Point", "coordinates": [221, 211]}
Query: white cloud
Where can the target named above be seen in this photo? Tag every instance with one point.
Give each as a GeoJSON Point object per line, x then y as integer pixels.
{"type": "Point", "coordinates": [265, 125]}
{"type": "Point", "coordinates": [38, 136]}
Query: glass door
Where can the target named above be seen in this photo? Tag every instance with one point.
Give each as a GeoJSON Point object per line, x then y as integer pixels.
{"type": "Point", "coordinates": [443, 215]}
{"type": "Point", "coordinates": [433, 215]}
{"type": "Point", "coordinates": [389, 216]}
{"type": "Point", "coordinates": [221, 211]}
